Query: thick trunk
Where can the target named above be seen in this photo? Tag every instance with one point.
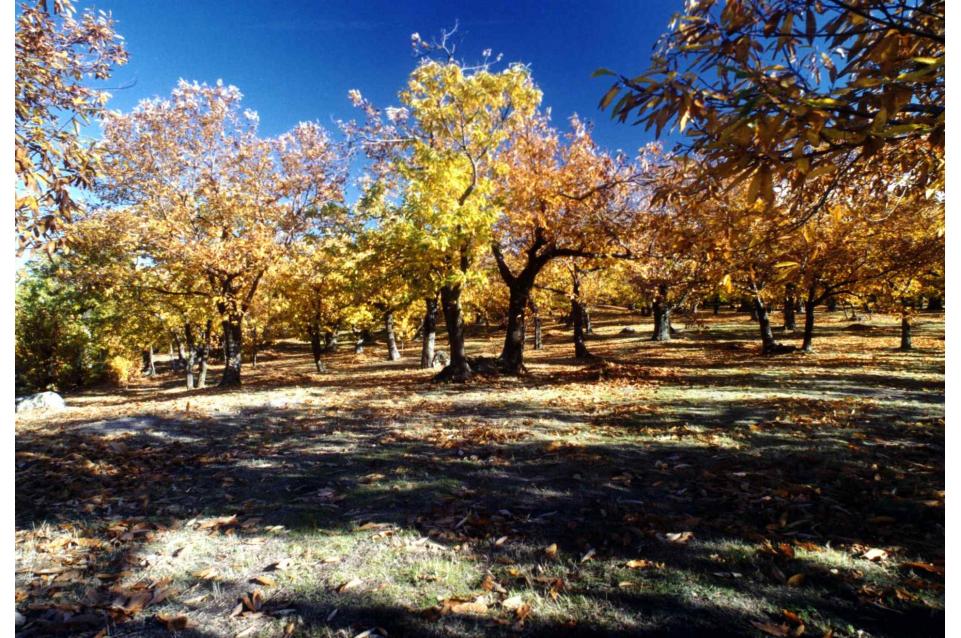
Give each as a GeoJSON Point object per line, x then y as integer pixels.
{"type": "Point", "coordinates": [191, 354]}
{"type": "Point", "coordinates": [512, 355]}
{"type": "Point", "coordinates": [393, 354]}
{"type": "Point", "coordinates": [790, 322]}
{"type": "Point", "coordinates": [149, 369]}
{"type": "Point", "coordinates": [233, 341]}
{"type": "Point", "coordinates": [832, 303]}
{"type": "Point", "coordinates": [458, 370]}
{"type": "Point", "coordinates": [662, 321]}
{"type": "Point", "coordinates": [580, 325]}
{"type": "Point", "coordinates": [205, 354]}
{"type": "Point", "coordinates": [428, 333]}
{"type": "Point", "coordinates": [808, 326]}
{"type": "Point", "coordinates": [906, 331]}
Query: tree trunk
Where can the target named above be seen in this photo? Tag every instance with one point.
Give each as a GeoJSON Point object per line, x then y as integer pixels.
{"type": "Point", "coordinates": [233, 341]}
{"type": "Point", "coordinates": [458, 370]}
{"type": "Point", "coordinates": [935, 303]}
{"type": "Point", "coordinates": [181, 360]}
{"type": "Point", "coordinates": [588, 328]}
{"type": "Point", "coordinates": [393, 354]}
{"type": "Point", "coordinates": [832, 303]}
{"type": "Point", "coordinates": [428, 333]}
{"type": "Point", "coordinates": [717, 306]}
{"type": "Point", "coordinates": [316, 348]}
{"type": "Point", "coordinates": [330, 341]}
{"type": "Point", "coordinates": [205, 354]}
{"type": "Point", "coordinates": [906, 331]}
{"type": "Point", "coordinates": [149, 369]}
{"type": "Point", "coordinates": [768, 343]}
{"type": "Point", "coordinates": [512, 355]}
{"type": "Point", "coordinates": [808, 325]}
{"type": "Point", "coordinates": [790, 321]}
{"type": "Point", "coordinates": [580, 325]}
{"type": "Point", "coordinates": [538, 330]}
{"type": "Point", "coordinates": [360, 340]}
{"type": "Point", "coordinates": [191, 354]}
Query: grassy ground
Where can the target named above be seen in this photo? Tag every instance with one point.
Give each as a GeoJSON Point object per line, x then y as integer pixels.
{"type": "Point", "coordinates": [680, 488]}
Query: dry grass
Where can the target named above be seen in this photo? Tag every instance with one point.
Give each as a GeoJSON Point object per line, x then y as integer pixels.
{"type": "Point", "coordinates": [369, 498]}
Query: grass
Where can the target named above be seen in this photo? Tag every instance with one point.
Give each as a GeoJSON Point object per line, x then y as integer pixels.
{"type": "Point", "coordinates": [761, 494]}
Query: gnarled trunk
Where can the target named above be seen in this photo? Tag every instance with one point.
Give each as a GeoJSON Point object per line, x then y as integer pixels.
{"type": "Point", "coordinates": [458, 370]}
{"type": "Point", "coordinates": [512, 355]}
{"type": "Point", "coordinates": [428, 333]}
{"type": "Point", "coordinates": [662, 321]}
{"type": "Point", "coordinates": [768, 344]}
{"type": "Point", "coordinates": [393, 354]}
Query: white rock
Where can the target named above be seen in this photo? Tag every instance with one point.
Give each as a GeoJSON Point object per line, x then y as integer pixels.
{"type": "Point", "coordinates": [50, 401]}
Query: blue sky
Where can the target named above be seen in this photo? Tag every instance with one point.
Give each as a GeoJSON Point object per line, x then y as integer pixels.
{"type": "Point", "coordinates": [296, 60]}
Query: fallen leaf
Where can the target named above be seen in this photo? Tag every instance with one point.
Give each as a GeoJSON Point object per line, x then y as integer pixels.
{"type": "Point", "coordinates": [588, 556]}
{"type": "Point", "coordinates": [350, 584]}
{"type": "Point", "coordinates": [279, 565]}
{"type": "Point", "coordinates": [771, 629]}
{"type": "Point", "coordinates": [513, 602]}
{"type": "Point", "coordinates": [641, 563]}
{"type": "Point", "coordinates": [875, 553]}
{"type": "Point", "coordinates": [469, 608]}
{"type": "Point", "coordinates": [796, 580]}
{"type": "Point", "coordinates": [266, 581]}
{"type": "Point", "coordinates": [679, 538]}
{"type": "Point", "coordinates": [551, 550]}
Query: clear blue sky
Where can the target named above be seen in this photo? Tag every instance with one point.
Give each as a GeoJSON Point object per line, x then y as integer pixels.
{"type": "Point", "coordinates": [295, 60]}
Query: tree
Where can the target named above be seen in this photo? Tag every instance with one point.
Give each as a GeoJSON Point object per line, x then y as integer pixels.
{"type": "Point", "coordinates": [56, 54]}
{"type": "Point", "coordinates": [214, 199]}
{"type": "Point", "coordinates": [441, 151]}
{"type": "Point", "coordinates": [765, 98]}
{"type": "Point", "coordinates": [674, 241]}
{"type": "Point", "coordinates": [560, 198]}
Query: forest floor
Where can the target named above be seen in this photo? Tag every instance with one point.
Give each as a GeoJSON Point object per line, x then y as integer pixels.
{"type": "Point", "coordinates": [661, 489]}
